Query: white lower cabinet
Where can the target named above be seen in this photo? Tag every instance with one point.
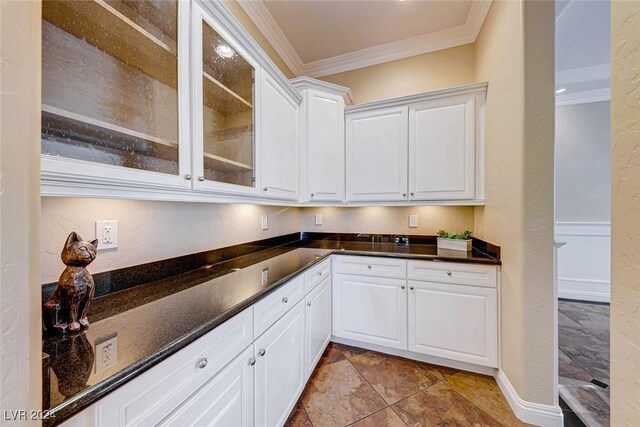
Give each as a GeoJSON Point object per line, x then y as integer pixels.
{"type": "Point", "coordinates": [370, 309]}
{"type": "Point", "coordinates": [226, 400]}
{"type": "Point", "coordinates": [318, 323]}
{"type": "Point", "coordinates": [456, 322]}
{"type": "Point", "coordinates": [454, 318]}
{"type": "Point", "coordinates": [280, 368]}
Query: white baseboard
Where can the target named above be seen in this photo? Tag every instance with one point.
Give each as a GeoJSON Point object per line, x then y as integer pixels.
{"type": "Point", "coordinates": [529, 412]}
{"type": "Point", "coordinates": [581, 290]}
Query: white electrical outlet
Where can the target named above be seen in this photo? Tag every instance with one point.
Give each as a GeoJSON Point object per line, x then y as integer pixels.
{"type": "Point", "coordinates": [107, 234]}
{"type": "Point", "coordinates": [265, 276]}
{"type": "Point", "coordinates": [318, 219]}
{"type": "Point", "coordinates": [413, 221]}
{"type": "Point", "coordinates": [265, 222]}
{"type": "Point", "coordinates": [106, 354]}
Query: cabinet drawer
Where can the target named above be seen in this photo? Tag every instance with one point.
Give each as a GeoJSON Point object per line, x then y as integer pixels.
{"type": "Point", "coordinates": [371, 266]}
{"type": "Point", "coordinates": [271, 308]}
{"type": "Point", "coordinates": [317, 274]}
{"type": "Point", "coordinates": [446, 272]}
{"type": "Point", "coordinates": [147, 399]}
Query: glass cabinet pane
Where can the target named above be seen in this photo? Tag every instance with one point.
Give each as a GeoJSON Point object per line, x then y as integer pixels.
{"type": "Point", "coordinates": [109, 82]}
{"type": "Point", "coordinates": [228, 95]}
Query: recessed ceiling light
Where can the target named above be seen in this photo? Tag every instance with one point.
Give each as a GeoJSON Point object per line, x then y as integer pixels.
{"type": "Point", "coordinates": [225, 51]}
{"type": "Point", "coordinates": [562, 89]}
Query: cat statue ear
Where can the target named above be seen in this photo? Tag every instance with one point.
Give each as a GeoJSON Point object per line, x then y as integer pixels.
{"type": "Point", "coordinates": [94, 242]}
{"type": "Point", "coordinates": [73, 237]}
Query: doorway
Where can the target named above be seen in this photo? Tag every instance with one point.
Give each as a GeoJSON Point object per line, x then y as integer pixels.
{"type": "Point", "coordinates": [583, 208]}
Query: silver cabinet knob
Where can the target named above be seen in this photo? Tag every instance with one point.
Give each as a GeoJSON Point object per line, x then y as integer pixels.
{"type": "Point", "coordinates": [201, 178]}
{"type": "Point", "coordinates": [265, 188]}
{"type": "Point", "coordinates": [404, 194]}
{"type": "Point", "coordinates": [448, 273]}
{"type": "Point", "coordinates": [411, 194]}
{"type": "Point", "coordinates": [285, 300]}
{"type": "Point", "coordinates": [312, 194]}
{"type": "Point", "coordinates": [252, 361]}
{"type": "Point", "coordinates": [202, 362]}
{"type": "Point", "coordinates": [411, 287]}
{"type": "Point", "coordinates": [309, 303]}
{"type": "Point", "coordinates": [187, 177]}
{"type": "Point", "coordinates": [369, 267]}
{"type": "Point", "coordinates": [261, 352]}
{"type": "Point", "coordinates": [402, 287]}
{"type": "Point", "coordinates": [319, 273]}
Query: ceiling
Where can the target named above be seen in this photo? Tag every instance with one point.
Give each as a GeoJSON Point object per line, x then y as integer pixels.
{"type": "Point", "coordinates": [583, 49]}
{"type": "Point", "coordinates": [320, 37]}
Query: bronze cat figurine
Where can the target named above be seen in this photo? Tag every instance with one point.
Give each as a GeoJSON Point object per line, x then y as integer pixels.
{"type": "Point", "coordinates": [67, 307]}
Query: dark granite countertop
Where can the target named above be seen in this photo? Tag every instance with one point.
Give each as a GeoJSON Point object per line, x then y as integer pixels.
{"type": "Point", "coordinates": [159, 308]}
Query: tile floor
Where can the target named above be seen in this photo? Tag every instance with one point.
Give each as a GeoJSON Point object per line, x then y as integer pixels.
{"type": "Point", "coordinates": [356, 387]}
{"type": "Point", "coordinates": [583, 340]}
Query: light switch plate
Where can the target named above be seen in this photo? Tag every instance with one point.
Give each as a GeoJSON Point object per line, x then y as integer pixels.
{"type": "Point", "coordinates": [265, 222]}
{"type": "Point", "coordinates": [265, 276]}
{"type": "Point", "coordinates": [413, 221]}
{"type": "Point", "coordinates": [107, 234]}
{"type": "Point", "coordinates": [318, 219]}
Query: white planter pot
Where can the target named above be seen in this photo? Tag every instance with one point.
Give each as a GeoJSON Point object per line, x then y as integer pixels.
{"type": "Point", "coordinates": [454, 244]}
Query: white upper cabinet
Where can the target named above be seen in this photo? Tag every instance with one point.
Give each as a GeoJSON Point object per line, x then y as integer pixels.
{"type": "Point", "coordinates": [224, 95]}
{"type": "Point", "coordinates": [322, 140]}
{"type": "Point", "coordinates": [279, 138]}
{"type": "Point", "coordinates": [376, 155]}
{"type": "Point", "coordinates": [115, 82]}
{"type": "Point", "coordinates": [426, 147]}
{"type": "Point", "coordinates": [442, 149]}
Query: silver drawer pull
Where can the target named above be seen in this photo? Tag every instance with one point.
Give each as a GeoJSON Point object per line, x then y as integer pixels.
{"type": "Point", "coordinates": [202, 362]}
{"type": "Point", "coordinates": [448, 273]}
{"type": "Point", "coordinates": [411, 287]}
{"type": "Point", "coordinates": [309, 303]}
{"type": "Point", "coordinates": [319, 273]}
{"type": "Point", "coordinates": [252, 361]}
{"type": "Point", "coordinates": [285, 300]}
{"type": "Point", "coordinates": [261, 352]}
{"type": "Point", "coordinates": [402, 287]}
{"type": "Point", "coordinates": [369, 267]}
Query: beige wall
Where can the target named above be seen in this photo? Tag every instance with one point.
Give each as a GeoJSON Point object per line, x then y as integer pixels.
{"type": "Point", "coordinates": [625, 214]}
{"type": "Point", "coordinates": [20, 320]}
{"type": "Point", "coordinates": [435, 70]}
{"type": "Point", "coordinates": [514, 53]}
{"type": "Point", "coordinates": [151, 231]}
{"type": "Point", "coordinates": [390, 220]}
{"type": "Point", "coordinates": [242, 17]}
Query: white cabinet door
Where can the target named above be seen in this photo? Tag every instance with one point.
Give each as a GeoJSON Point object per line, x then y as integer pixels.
{"type": "Point", "coordinates": [226, 400]}
{"type": "Point", "coordinates": [455, 322]}
{"type": "Point", "coordinates": [441, 149]}
{"type": "Point", "coordinates": [376, 157]}
{"type": "Point", "coordinates": [323, 162]}
{"type": "Point", "coordinates": [280, 368]}
{"type": "Point", "coordinates": [279, 133]}
{"type": "Point", "coordinates": [370, 309]}
{"type": "Point", "coordinates": [318, 322]}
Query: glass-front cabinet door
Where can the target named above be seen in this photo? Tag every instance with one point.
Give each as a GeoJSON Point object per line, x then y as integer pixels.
{"type": "Point", "coordinates": [224, 97]}
{"type": "Point", "coordinates": [115, 92]}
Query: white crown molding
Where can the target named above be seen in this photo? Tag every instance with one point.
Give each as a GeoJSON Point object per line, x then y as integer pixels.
{"type": "Point", "coordinates": [529, 412]}
{"type": "Point", "coordinates": [310, 83]}
{"type": "Point", "coordinates": [583, 97]}
{"type": "Point", "coordinates": [450, 37]}
{"type": "Point", "coordinates": [479, 88]}
{"type": "Point", "coordinates": [583, 74]}
{"type": "Point", "coordinates": [260, 16]}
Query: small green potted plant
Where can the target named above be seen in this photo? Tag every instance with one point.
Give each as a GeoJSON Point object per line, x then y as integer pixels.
{"type": "Point", "coordinates": [454, 241]}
